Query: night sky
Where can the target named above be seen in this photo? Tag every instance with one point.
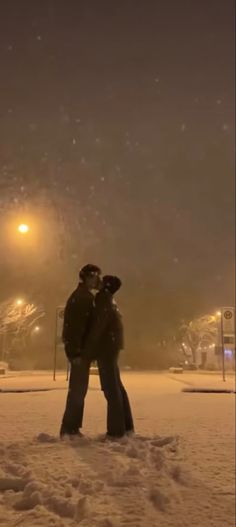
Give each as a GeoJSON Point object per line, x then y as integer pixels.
{"type": "Point", "coordinates": [116, 126]}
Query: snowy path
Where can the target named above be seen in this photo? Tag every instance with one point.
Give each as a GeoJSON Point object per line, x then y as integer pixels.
{"type": "Point", "coordinates": [177, 471]}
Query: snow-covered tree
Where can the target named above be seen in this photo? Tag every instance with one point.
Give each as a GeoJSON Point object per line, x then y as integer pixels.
{"type": "Point", "coordinates": [17, 320]}
{"type": "Point", "coordinates": [200, 331]}
{"type": "Point", "coordinates": [17, 317]}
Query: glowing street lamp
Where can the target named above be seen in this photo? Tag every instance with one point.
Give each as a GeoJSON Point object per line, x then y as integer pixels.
{"type": "Point", "coordinates": [19, 302]}
{"type": "Point", "coordinates": [23, 228]}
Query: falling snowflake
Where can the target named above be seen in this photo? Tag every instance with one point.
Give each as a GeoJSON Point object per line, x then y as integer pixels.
{"type": "Point", "coordinates": [39, 37]}
{"type": "Point", "coordinates": [102, 179]}
{"type": "Point", "coordinates": [157, 80]}
{"type": "Point", "coordinates": [225, 127]}
{"type": "Point", "coordinates": [74, 141]}
{"type": "Point", "coordinates": [183, 127]}
{"type": "Point", "coordinates": [219, 101]}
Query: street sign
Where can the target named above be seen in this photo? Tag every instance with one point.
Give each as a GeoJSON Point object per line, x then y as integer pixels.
{"type": "Point", "coordinates": [59, 322]}
{"type": "Point", "coordinates": [228, 321]}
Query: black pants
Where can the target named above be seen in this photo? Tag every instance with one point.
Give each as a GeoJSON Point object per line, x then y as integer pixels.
{"type": "Point", "coordinates": [78, 387]}
{"type": "Point", "coordinates": [119, 415]}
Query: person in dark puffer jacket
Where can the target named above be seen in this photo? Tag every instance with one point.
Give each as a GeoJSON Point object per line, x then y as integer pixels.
{"type": "Point", "coordinates": [78, 318]}
{"type": "Point", "coordinates": [104, 343]}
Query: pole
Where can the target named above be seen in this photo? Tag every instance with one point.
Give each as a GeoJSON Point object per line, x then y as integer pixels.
{"type": "Point", "coordinates": [55, 353]}
{"type": "Point", "coordinates": [3, 345]}
{"type": "Point", "coordinates": [222, 346]}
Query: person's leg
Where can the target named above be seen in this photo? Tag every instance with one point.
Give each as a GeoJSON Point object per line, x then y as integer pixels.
{"type": "Point", "coordinates": [78, 386]}
{"type": "Point", "coordinates": [112, 391]}
{"type": "Point", "coordinates": [129, 424]}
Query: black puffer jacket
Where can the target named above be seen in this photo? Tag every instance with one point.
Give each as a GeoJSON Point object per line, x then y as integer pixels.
{"type": "Point", "coordinates": [106, 336]}
{"type": "Point", "coordinates": [78, 318]}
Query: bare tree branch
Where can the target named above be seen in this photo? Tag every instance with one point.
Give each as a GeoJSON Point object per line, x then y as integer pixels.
{"type": "Point", "coordinates": [18, 319]}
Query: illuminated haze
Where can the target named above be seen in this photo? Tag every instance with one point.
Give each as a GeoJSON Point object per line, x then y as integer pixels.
{"type": "Point", "coordinates": [117, 146]}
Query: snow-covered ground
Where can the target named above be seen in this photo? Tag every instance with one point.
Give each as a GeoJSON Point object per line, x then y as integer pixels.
{"type": "Point", "coordinates": [177, 471]}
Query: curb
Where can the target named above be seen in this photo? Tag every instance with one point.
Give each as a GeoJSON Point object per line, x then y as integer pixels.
{"type": "Point", "coordinates": [208, 390]}
{"type": "Point", "coordinates": [33, 390]}
{"type": "Point", "coordinates": [25, 390]}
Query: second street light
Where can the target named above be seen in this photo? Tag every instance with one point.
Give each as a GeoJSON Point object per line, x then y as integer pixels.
{"type": "Point", "coordinates": [19, 301]}
{"type": "Point", "coordinates": [23, 228]}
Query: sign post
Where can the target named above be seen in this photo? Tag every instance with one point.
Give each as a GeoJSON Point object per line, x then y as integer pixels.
{"type": "Point", "coordinates": [227, 331]}
{"type": "Point", "coordinates": [55, 352]}
{"type": "Point", "coordinates": [58, 333]}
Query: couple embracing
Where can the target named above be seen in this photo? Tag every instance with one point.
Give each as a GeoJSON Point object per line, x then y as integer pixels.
{"type": "Point", "coordinates": [92, 331]}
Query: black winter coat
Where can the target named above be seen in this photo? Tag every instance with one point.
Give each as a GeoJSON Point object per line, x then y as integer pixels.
{"type": "Point", "coordinates": [106, 336]}
{"type": "Point", "coordinates": [78, 318]}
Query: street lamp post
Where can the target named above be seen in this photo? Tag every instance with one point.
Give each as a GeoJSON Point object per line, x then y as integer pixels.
{"type": "Point", "coordinates": [222, 344]}
{"type": "Point", "coordinates": [219, 319]}
{"type": "Point", "coordinates": [4, 345]}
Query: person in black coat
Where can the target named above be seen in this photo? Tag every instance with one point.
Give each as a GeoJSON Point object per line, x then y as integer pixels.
{"type": "Point", "coordinates": [104, 343]}
{"type": "Point", "coordinates": [78, 318]}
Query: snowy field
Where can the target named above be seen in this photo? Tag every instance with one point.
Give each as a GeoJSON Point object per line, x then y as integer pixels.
{"type": "Point", "coordinates": [177, 471]}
